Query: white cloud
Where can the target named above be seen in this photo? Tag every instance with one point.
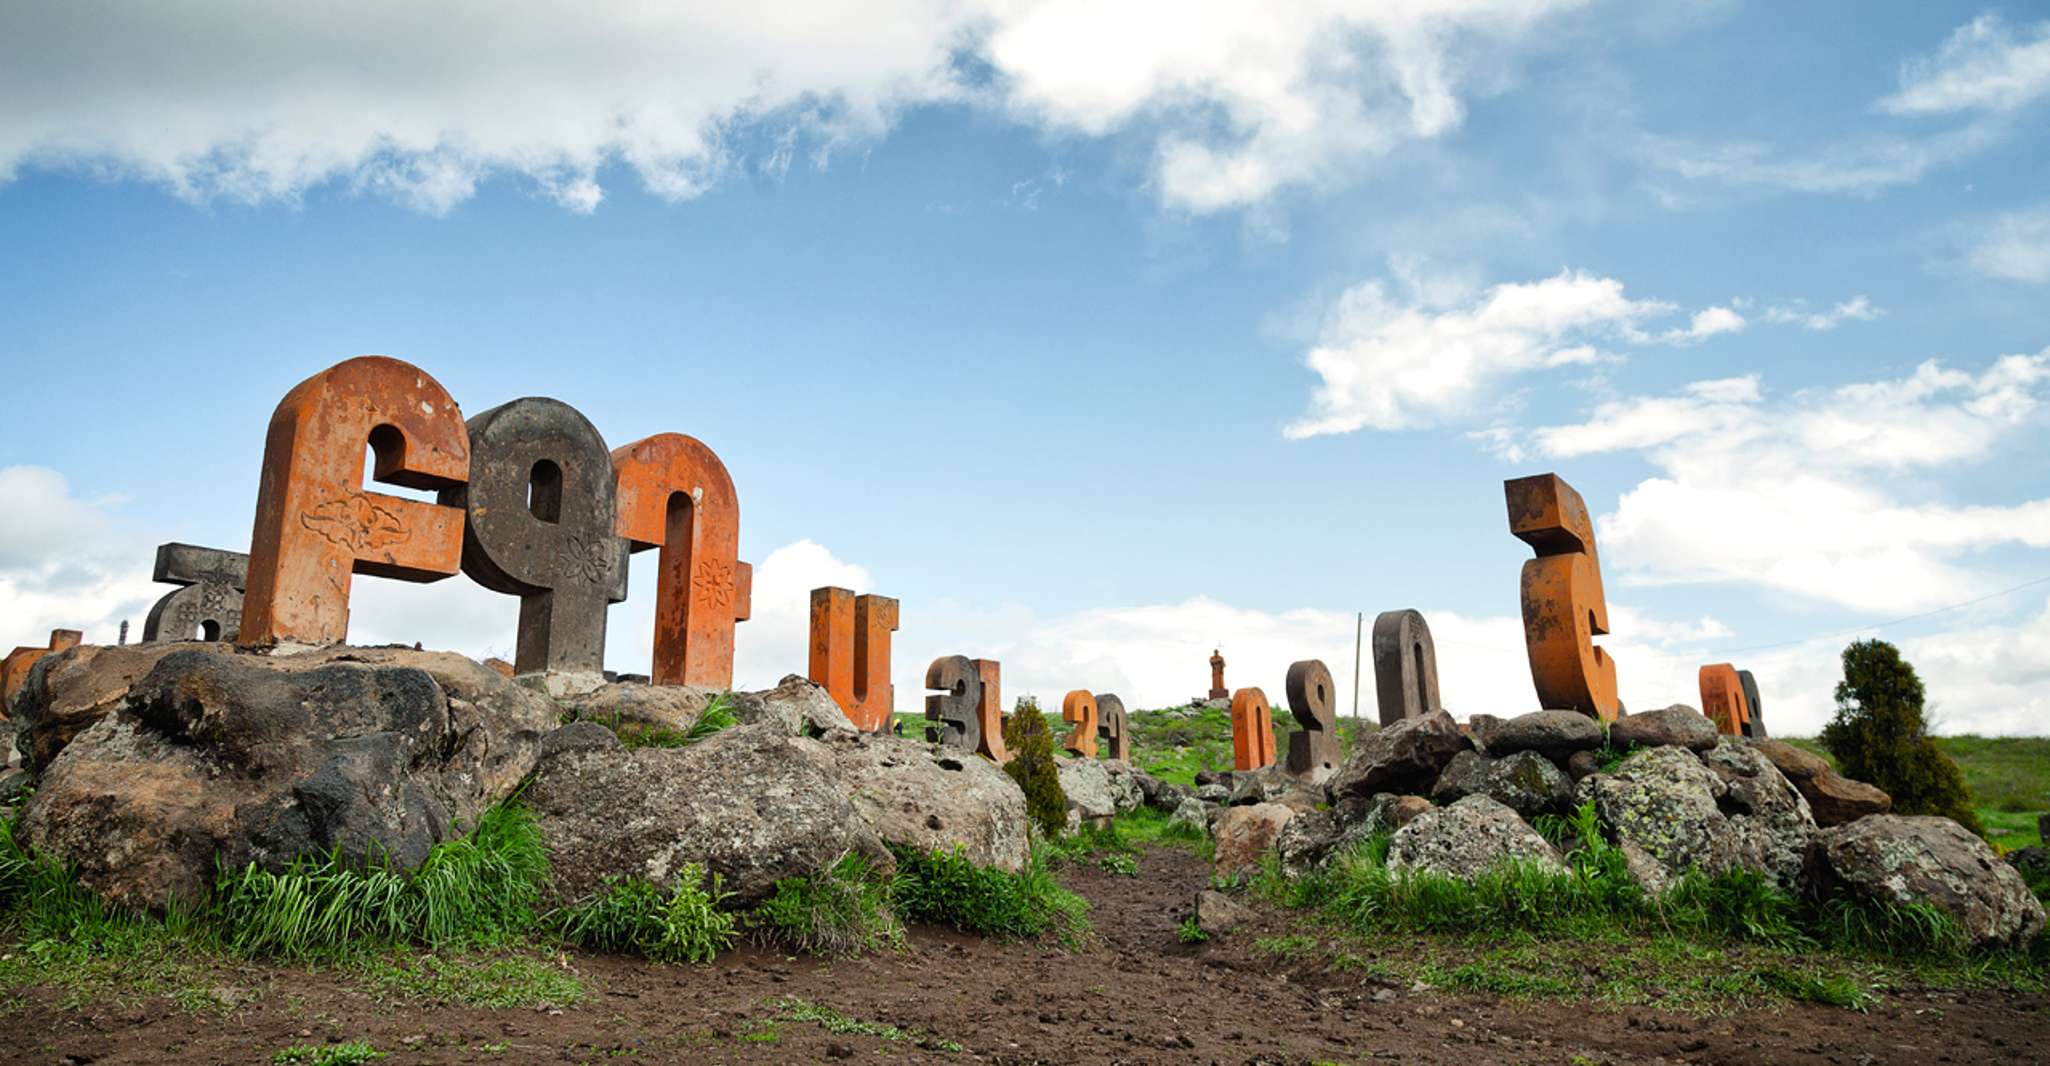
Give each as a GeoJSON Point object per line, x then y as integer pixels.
{"type": "Point", "coordinates": [1863, 166]}
{"type": "Point", "coordinates": [2013, 247]}
{"type": "Point", "coordinates": [250, 100]}
{"type": "Point", "coordinates": [1983, 66]}
{"type": "Point", "coordinates": [1806, 495]}
{"type": "Point", "coordinates": [66, 563]}
{"type": "Point", "coordinates": [1706, 323]}
{"type": "Point", "coordinates": [1795, 313]}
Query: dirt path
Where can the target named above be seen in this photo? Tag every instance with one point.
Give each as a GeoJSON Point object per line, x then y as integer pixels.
{"type": "Point", "coordinates": [1136, 996]}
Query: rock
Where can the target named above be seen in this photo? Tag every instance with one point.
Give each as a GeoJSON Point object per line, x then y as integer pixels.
{"type": "Point", "coordinates": [1555, 735]}
{"type": "Point", "coordinates": [1481, 726]}
{"type": "Point", "coordinates": [1218, 914]}
{"type": "Point", "coordinates": [1891, 858]}
{"type": "Point", "coordinates": [14, 784]}
{"type": "Point", "coordinates": [1833, 798]}
{"type": "Point", "coordinates": [1406, 756]}
{"type": "Point", "coordinates": [248, 758]}
{"type": "Point", "coordinates": [1213, 777]}
{"type": "Point", "coordinates": [752, 804]}
{"type": "Point", "coordinates": [579, 736]}
{"type": "Point", "coordinates": [1678, 726]}
{"type": "Point", "coordinates": [1467, 838]}
{"type": "Point", "coordinates": [1245, 834]}
{"type": "Point", "coordinates": [1306, 841]}
{"type": "Point", "coordinates": [1259, 786]}
{"type": "Point", "coordinates": [1166, 795]}
{"type": "Point", "coordinates": [8, 756]}
{"type": "Point", "coordinates": [1213, 793]}
{"type": "Point", "coordinates": [1769, 820]}
{"type": "Point", "coordinates": [1088, 787]}
{"type": "Point", "coordinates": [639, 711]}
{"type": "Point", "coordinates": [1660, 806]}
{"type": "Point", "coordinates": [1193, 813]}
{"type": "Point", "coordinates": [1465, 775]}
{"type": "Point", "coordinates": [1528, 784]}
{"type": "Point", "coordinates": [798, 705]}
{"type": "Point", "coordinates": [2033, 861]}
{"type": "Point", "coordinates": [68, 691]}
{"type": "Point", "coordinates": [934, 801]}
{"type": "Point", "coordinates": [1580, 764]}
{"type": "Point", "coordinates": [1127, 793]}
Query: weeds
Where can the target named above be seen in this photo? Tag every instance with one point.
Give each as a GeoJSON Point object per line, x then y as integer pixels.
{"type": "Point", "coordinates": [947, 889]}
{"type": "Point", "coordinates": [631, 915]}
{"type": "Point", "coordinates": [793, 1009]}
{"type": "Point", "coordinates": [1189, 932]}
{"type": "Point", "coordinates": [349, 1054]}
{"type": "Point", "coordinates": [837, 912]}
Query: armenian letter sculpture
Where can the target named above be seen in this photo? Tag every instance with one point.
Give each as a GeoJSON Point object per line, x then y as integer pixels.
{"type": "Point", "coordinates": [955, 711]}
{"type": "Point", "coordinates": [1752, 701]}
{"type": "Point", "coordinates": [15, 667]}
{"type": "Point", "coordinates": [1563, 606]}
{"type": "Point", "coordinates": [316, 526]}
{"type": "Point", "coordinates": [1079, 708]}
{"type": "Point", "coordinates": [208, 606]}
{"type": "Point", "coordinates": [989, 712]}
{"type": "Point", "coordinates": [850, 653]}
{"type": "Point", "coordinates": [1726, 702]}
{"type": "Point", "coordinates": [1314, 744]}
{"type": "Point", "coordinates": [1113, 726]}
{"type": "Point", "coordinates": [1252, 730]}
{"type": "Point", "coordinates": [1405, 666]}
{"type": "Point", "coordinates": [675, 494]}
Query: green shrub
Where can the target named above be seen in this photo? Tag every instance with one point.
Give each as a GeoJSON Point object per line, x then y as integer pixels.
{"type": "Point", "coordinates": [1190, 933]}
{"type": "Point", "coordinates": [1030, 742]}
{"type": "Point", "coordinates": [945, 888]}
{"type": "Point", "coordinates": [346, 1054]}
{"type": "Point", "coordinates": [841, 911]}
{"type": "Point", "coordinates": [631, 915]}
{"type": "Point", "coordinates": [1880, 735]}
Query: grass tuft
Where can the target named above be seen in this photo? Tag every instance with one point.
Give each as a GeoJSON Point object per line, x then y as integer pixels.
{"type": "Point", "coordinates": [838, 912]}
{"type": "Point", "coordinates": [945, 888]}
{"type": "Point", "coordinates": [631, 915]}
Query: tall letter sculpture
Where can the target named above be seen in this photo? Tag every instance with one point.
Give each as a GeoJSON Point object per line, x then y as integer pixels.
{"type": "Point", "coordinates": [850, 653]}
{"type": "Point", "coordinates": [541, 517]}
{"type": "Point", "coordinates": [675, 494]}
{"type": "Point", "coordinates": [989, 711]}
{"type": "Point", "coordinates": [208, 605]}
{"type": "Point", "coordinates": [954, 712]}
{"type": "Point", "coordinates": [1311, 699]}
{"type": "Point", "coordinates": [1080, 708]}
{"type": "Point", "coordinates": [1752, 701]}
{"type": "Point", "coordinates": [1563, 606]}
{"type": "Point", "coordinates": [1722, 700]}
{"type": "Point", "coordinates": [14, 669]}
{"type": "Point", "coordinates": [315, 524]}
{"type": "Point", "coordinates": [1252, 730]}
{"type": "Point", "coordinates": [1113, 727]}
{"type": "Point", "coordinates": [1405, 666]}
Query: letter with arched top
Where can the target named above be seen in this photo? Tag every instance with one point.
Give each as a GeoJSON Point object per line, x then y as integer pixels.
{"type": "Point", "coordinates": [989, 711]}
{"type": "Point", "coordinates": [1113, 727]}
{"type": "Point", "coordinates": [675, 494]}
{"type": "Point", "coordinates": [15, 667]}
{"type": "Point", "coordinates": [1722, 699]}
{"type": "Point", "coordinates": [316, 526]}
{"type": "Point", "coordinates": [1252, 730]}
{"type": "Point", "coordinates": [541, 515]}
{"type": "Point", "coordinates": [207, 605]}
{"type": "Point", "coordinates": [1405, 666]}
{"type": "Point", "coordinates": [850, 653]}
{"type": "Point", "coordinates": [1079, 709]}
{"type": "Point", "coordinates": [1754, 703]}
{"type": "Point", "coordinates": [1563, 606]}
{"type": "Point", "coordinates": [953, 710]}
{"type": "Point", "coordinates": [1313, 700]}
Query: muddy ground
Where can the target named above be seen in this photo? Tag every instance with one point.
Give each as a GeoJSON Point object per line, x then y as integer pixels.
{"type": "Point", "coordinates": [1135, 995]}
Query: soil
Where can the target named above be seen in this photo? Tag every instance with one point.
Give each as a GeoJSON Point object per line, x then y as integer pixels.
{"type": "Point", "coordinates": [1135, 995]}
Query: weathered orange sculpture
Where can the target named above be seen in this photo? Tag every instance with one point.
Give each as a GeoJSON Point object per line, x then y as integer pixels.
{"type": "Point", "coordinates": [1563, 606]}
{"type": "Point", "coordinates": [1252, 730]}
{"type": "Point", "coordinates": [315, 524]}
{"type": "Point", "coordinates": [675, 494]}
{"type": "Point", "coordinates": [850, 653]}
{"type": "Point", "coordinates": [1722, 699]}
{"type": "Point", "coordinates": [1217, 691]}
{"type": "Point", "coordinates": [990, 712]}
{"type": "Point", "coordinates": [15, 667]}
{"type": "Point", "coordinates": [1080, 708]}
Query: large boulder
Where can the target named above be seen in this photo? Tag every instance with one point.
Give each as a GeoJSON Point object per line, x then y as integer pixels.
{"type": "Point", "coordinates": [1270, 782]}
{"type": "Point", "coordinates": [1556, 735]}
{"type": "Point", "coordinates": [1660, 806]}
{"type": "Point", "coordinates": [1244, 835]}
{"type": "Point", "coordinates": [637, 711]}
{"type": "Point", "coordinates": [751, 804]}
{"type": "Point", "coordinates": [797, 705]}
{"type": "Point", "coordinates": [1087, 784]}
{"type": "Point", "coordinates": [1406, 756]}
{"type": "Point", "coordinates": [250, 758]}
{"type": "Point", "coordinates": [1894, 859]}
{"type": "Point", "coordinates": [1769, 819]}
{"type": "Point", "coordinates": [1525, 782]}
{"type": "Point", "coordinates": [1127, 791]}
{"type": "Point", "coordinates": [68, 691]}
{"type": "Point", "coordinates": [930, 800]}
{"type": "Point", "coordinates": [1677, 726]}
{"type": "Point", "coordinates": [1833, 798]}
{"type": "Point", "coordinates": [1467, 838]}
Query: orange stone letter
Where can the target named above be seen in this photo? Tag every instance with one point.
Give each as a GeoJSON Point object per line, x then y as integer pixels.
{"type": "Point", "coordinates": [315, 525]}
{"type": "Point", "coordinates": [1722, 700]}
{"type": "Point", "coordinates": [1563, 606]}
{"type": "Point", "coordinates": [1252, 730]}
{"type": "Point", "coordinates": [15, 667]}
{"type": "Point", "coordinates": [676, 495]}
{"type": "Point", "coordinates": [1080, 708]}
{"type": "Point", "coordinates": [990, 711]}
{"type": "Point", "coordinates": [850, 653]}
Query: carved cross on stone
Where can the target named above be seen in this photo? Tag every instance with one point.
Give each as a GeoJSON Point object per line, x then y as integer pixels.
{"type": "Point", "coordinates": [208, 603]}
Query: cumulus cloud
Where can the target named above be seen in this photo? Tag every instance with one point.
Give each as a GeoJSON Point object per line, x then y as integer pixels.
{"type": "Point", "coordinates": [254, 101]}
{"type": "Point", "coordinates": [1807, 494]}
{"type": "Point", "coordinates": [2013, 247]}
{"type": "Point", "coordinates": [1985, 65]}
{"type": "Point", "coordinates": [66, 562]}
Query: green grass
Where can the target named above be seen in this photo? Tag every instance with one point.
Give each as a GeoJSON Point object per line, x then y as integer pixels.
{"type": "Point", "coordinates": [492, 980]}
{"type": "Point", "coordinates": [632, 916]}
{"type": "Point", "coordinates": [348, 1054]}
{"type": "Point", "coordinates": [1189, 932]}
{"type": "Point", "coordinates": [1174, 744]}
{"type": "Point", "coordinates": [793, 1009]}
{"type": "Point", "coordinates": [838, 912]}
{"type": "Point", "coordinates": [947, 889]}
{"type": "Point", "coordinates": [2009, 778]}
{"type": "Point", "coordinates": [718, 715]}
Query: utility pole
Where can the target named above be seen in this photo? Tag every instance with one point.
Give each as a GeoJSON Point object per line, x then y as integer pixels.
{"type": "Point", "coordinates": [1358, 626]}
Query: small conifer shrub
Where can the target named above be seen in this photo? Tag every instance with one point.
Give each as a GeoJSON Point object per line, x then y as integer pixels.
{"type": "Point", "coordinates": [1031, 745]}
{"type": "Point", "coordinates": [1879, 735]}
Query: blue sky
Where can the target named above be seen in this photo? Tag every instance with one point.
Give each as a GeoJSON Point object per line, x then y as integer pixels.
{"type": "Point", "coordinates": [1097, 334]}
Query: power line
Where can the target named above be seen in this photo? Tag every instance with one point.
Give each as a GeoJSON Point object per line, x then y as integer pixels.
{"type": "Point", "coordinates": [1880, 625]}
